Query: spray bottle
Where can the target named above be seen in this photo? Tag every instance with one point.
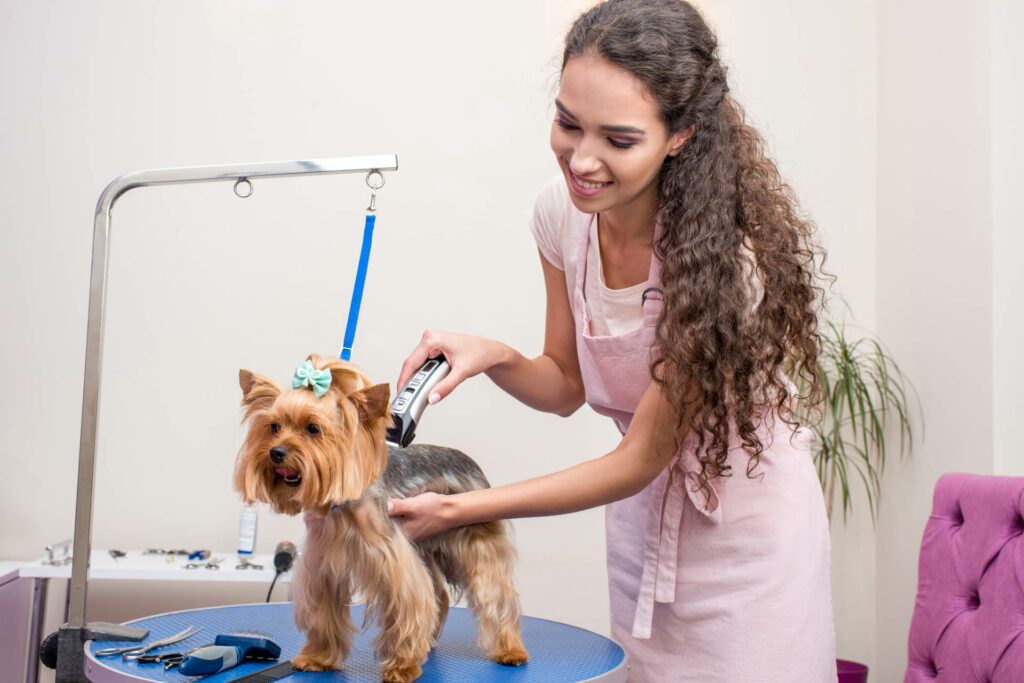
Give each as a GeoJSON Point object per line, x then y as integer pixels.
{"type": "Point", "coordinates": [247, 530]}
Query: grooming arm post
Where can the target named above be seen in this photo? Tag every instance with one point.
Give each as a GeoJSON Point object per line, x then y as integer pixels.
{"type": "Point", "coordinates": [97, 304]}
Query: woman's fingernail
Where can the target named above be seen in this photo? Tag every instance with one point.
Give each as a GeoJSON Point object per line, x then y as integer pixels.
{"type": "Point", "coordinates": [391, 506]}
{"type": "Point", "coordinates": [433, 398]}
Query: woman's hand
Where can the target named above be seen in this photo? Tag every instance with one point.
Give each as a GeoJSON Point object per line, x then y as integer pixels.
{"type": "Point", "coordinates": [422, 516]}
{"type": "Point", "coordinates": [467, 356]}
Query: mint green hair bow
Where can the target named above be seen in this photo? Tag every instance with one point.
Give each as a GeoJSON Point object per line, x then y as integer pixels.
{"type": "Point", "coordinates": [308, 376]}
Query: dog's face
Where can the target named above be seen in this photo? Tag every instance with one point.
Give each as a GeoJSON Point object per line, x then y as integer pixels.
{"type": "Point", "coordinates": [304, 452]}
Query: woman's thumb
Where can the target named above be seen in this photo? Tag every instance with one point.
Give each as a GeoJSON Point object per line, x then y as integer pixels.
{"type": "Point", "coordinates": [396, 506]}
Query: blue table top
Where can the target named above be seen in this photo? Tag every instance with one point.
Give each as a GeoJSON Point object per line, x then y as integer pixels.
{"type": "Point", "coordinates": [558, 652]}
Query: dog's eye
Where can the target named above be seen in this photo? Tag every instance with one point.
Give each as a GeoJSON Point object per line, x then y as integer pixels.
{"type": "Point", "coordinates": [274, 428]}
{"type": "Point", "coordinates": [312, 429]}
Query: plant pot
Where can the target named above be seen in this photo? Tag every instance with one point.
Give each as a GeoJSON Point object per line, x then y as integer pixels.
{"type": "Point", "coordinates": [851, 672]}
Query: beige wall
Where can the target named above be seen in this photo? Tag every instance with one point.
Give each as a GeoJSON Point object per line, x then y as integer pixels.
{"type": "Point", "coordinates": [901, 149]}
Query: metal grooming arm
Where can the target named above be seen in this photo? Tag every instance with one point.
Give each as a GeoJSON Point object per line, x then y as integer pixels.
{"type": "Point", "coordinates": [73, 634]}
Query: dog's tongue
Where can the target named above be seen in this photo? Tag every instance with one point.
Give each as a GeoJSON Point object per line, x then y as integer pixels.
{"type": "Point", "coordinates": [287, 472]}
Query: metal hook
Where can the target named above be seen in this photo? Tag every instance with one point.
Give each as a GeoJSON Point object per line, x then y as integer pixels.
{"type": "Point", "coordinates": [373, 188]}
{"type": "Point", "coordinates": [379, 175]}
{"type": "Point", "coordinates": [247, 184]}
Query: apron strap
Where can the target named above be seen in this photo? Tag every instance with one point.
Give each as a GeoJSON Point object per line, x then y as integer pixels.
{"type": "Point", "coordinates": [673, 486]}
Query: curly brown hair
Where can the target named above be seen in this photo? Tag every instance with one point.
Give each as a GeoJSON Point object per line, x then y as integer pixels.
{"type": "Point", "coordinates": [718, 361]}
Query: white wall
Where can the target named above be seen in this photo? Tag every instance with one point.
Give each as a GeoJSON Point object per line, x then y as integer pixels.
{"type": "Point", "coordinates": [881, 127]}
{"type": "Point", "coordinates": [202, 283]}
{"type": "Point", "coordinates": [935, 260]}
{"type": "Point", "coordinates": [1007, 141]}
{"type": "Point", "coordinates": [805, 72]}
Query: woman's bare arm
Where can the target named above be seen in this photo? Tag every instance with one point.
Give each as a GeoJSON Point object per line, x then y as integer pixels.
{"type": "Point", "coordinates": [644, 451]}
{"type": "Point", "coordinates": [550, 382]}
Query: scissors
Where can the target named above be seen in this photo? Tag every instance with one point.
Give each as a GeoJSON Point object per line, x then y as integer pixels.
{"type": "Point", "coordinates": [133, 652]}
{"type": "Point", "coordinates": [170, 660]}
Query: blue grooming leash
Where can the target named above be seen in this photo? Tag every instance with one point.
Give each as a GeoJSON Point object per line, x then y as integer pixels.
{"type": "Point", "coordinates": [357, 290]}
{"type": "Point", "coordinates": [364, 260]}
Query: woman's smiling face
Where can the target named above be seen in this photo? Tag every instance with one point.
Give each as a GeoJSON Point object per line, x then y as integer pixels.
{"type": "Point", "coordinates": [608, 135]}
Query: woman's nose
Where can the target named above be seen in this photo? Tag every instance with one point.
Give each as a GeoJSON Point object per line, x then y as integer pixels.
{"type": "Point", "coordinates": [583, 161]}
{"type": "Point", "coordinates": [585, 168]}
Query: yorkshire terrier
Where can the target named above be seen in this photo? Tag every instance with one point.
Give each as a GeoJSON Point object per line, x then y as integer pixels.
{"type": "Point", "coordinates": [319, 448]}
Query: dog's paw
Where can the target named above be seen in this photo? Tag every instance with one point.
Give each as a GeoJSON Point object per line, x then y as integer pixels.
{"type": "Point", "coordinates": [401, 674]}
{"type": "Point", "coordinates": [512, 656]}
{"type": "Point", "coordinates": [305, 662]}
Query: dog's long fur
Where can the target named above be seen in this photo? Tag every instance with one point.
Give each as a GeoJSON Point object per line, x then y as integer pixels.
{"type": "Point", "coordinates": [340, 474]}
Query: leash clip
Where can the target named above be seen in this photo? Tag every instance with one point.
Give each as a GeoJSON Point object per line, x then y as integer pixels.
{"type": "Point", "coordinates": [374, 186]}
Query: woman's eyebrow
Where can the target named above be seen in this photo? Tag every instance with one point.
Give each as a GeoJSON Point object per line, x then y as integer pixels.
{"type": "Point", "coordinates": [608, 129]}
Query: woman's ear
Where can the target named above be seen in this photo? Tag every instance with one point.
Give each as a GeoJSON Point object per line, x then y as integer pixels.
{"type": "Point", "coordinates": [678, 140]}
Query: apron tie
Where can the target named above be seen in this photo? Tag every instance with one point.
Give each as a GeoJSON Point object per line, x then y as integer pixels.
{"type": "Point", "coordinates": [661, 539]}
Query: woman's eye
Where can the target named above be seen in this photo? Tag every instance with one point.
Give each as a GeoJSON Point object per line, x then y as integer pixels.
{"type": "Point", "coordinates": [274, 428]}
{"type": "Point", "coordinates": [312, 429]}
{"type": "Point", "coordinates": [615, 143]}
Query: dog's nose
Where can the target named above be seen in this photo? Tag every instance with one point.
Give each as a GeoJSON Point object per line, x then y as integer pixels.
{"type": "Point", "coordinates": [277, 454]}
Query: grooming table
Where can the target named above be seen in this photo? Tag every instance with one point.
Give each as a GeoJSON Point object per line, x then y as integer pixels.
{"type": "Point", "coordinates": [135, 565]}
{"type": "Point", "coordinates": [558, 652]}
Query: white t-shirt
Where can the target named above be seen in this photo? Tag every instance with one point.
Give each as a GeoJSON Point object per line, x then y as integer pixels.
{"type": "Point", "coordinates": [556, 224]}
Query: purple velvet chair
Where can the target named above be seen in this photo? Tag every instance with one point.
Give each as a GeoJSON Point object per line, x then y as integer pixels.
{"type": "Point", "coordinates": [969, 615]}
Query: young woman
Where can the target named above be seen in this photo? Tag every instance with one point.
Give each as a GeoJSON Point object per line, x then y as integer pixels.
{"type": "Point", "coordinates": [681, 302]}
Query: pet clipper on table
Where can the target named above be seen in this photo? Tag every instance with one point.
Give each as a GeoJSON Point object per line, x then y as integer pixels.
{"type": "Point", "coordinates": [320, 448]}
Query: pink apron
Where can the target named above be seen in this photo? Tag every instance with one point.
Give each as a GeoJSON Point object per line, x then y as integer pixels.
{"type": "Point", "coordinates": [643, 531]}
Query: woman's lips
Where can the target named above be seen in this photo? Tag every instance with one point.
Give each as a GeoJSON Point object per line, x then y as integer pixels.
{"type": "Point", "coordinates": [579, 188]}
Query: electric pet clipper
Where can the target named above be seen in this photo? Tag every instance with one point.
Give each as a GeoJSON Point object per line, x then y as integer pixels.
{"type": "Point", "coordinates": [408, 406]}
{"type": "Point", "coordinates": [228, 650]}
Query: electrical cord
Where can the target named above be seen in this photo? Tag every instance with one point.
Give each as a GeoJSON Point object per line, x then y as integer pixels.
{"type": "Point", "coordinates": [279, 572]}
{"type": "Point", "coordinates": [284, 558]}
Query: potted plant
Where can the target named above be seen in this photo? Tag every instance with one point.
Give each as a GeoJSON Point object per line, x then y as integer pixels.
{"type": "Point", "coordinates": [865, 406]}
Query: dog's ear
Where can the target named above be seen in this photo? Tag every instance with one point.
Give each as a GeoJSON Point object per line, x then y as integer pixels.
{"type": "Point", "coordinates": [372, 402]}
{"type": "Point", "coordinates": [365, 459]}
{"type": "Point", "coordinates": [258, 392]}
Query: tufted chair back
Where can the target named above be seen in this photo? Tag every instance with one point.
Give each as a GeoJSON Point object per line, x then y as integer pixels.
{"type": "Point", "coordinates": [969, 615]}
